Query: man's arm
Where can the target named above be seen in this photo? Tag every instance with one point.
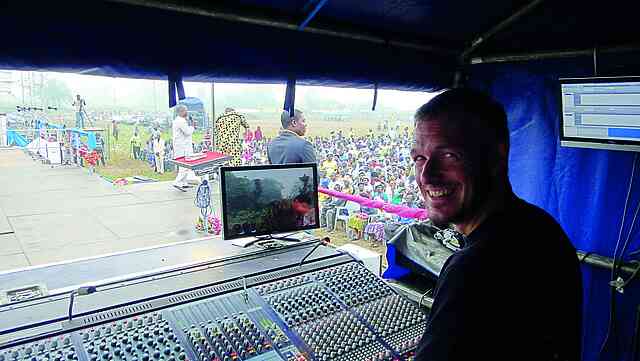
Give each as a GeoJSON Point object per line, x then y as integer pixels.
{"type": "Point", "coordinates": [185, 129]}
{"type": "Point", "coordinates": [448, 323]}
{"type": "Point", "coordinates": [308, 153]}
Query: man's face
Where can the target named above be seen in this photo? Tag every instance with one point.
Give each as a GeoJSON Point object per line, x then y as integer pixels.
{"type": "Point", "coordinates": [300, 126]}
{"type": "Point", "coordinates": [301, 208]}
{"type": "Point", "coordinates": [182, 112]}
{"type": "Point", "coordinates": [448, 171]}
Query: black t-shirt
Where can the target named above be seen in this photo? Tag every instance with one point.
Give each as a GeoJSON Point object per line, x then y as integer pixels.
{"type": "Point", "coordinates": [514, 292]}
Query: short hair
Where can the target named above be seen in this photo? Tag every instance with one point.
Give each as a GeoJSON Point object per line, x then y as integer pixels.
{"type": "Point", "coordinates": [229, 109]}
{"type": "Point", "coordinates": [180, 107]}
{"type": "Point", "coordinates": [463, 103]}
{"type": "Point", "coordinates": [286, 119]}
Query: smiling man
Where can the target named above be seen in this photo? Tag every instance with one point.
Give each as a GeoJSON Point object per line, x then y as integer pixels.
{"type": "Point", "coordinates": [514, 291]}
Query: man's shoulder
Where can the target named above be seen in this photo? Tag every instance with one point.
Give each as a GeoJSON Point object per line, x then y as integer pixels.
{"type": "Point", "coordinates": [534, 218]}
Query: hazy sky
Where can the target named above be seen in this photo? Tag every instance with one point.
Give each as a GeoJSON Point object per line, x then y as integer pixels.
{"type": "Point", "coordinates": [120, 88]}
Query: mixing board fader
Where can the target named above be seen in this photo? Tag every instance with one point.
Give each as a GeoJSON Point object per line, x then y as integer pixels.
{"type": "Point", "coordinates": [337, 312]}
{"type": "Point", "coordinates": [345, 313]}
{"type": "Point", "coordinates": [232, 327]}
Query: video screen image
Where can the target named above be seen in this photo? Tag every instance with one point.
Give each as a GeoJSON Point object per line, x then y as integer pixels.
{"type": "Point", "coordinates": [269, 201]}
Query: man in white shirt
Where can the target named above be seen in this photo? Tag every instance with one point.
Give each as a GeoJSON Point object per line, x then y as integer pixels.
{"type": "Point", "coordinates": [182, 143]}
{"type": "Point", "coordinates": [158, 151]}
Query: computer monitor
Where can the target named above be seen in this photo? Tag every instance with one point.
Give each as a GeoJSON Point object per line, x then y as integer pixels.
{"type": "Point", "coordinates": [601, 113]}
{"type": "Point", "coordinates": [269, 199]}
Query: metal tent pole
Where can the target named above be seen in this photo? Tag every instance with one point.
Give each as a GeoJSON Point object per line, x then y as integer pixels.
{"type": "Point", "coordinates": [503, 24]}
{"type": "Point", "coordinates": [256, 20]}
{"type": "Point", "coordinates": [504, 58]}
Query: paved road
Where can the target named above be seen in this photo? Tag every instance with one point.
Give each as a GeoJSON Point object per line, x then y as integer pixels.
{"type": "Point", "coordinates": [50, 215]}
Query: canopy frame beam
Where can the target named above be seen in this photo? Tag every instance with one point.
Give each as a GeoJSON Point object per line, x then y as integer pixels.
{"type": "Point", "coordinates": [477, 42]}
{"type": "Point", "coordinates": [312, 14]}
{"type": "Point", "coordinates": [263, 21]}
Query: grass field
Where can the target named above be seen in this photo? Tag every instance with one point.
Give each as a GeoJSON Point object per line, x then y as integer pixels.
{"type": "Point", "coordinates": [121, 163]}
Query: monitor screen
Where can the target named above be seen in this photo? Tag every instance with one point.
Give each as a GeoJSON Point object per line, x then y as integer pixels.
{"type": "Point", "coordinates": [601, 113]}
{"type": "Point", "coordinates": [269, 199]}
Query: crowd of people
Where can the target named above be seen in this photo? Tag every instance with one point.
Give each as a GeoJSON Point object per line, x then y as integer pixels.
{"type": "Point", "coordinates": [376, 166]}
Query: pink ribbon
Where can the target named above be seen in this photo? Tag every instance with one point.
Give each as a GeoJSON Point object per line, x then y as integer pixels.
{"type": "Point", "coordinates": [402, 211]}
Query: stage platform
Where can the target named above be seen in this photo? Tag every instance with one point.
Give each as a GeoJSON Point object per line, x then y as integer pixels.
{"type": "Point", "coordinates": [50, 215]}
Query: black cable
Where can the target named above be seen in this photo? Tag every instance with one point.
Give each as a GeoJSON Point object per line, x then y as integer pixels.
{"type": "Point", "coordinates": [611, 326]}
{"type": "Point", "coordinates": [320, 243]}
{"type": "Point", "coordinates": [81, 291]}
{"type": "Point", "coordinates": [585, 256]}
{"type": "Point", "coordinates": [71, 298]}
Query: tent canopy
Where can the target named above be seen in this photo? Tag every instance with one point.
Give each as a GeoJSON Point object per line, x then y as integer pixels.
{"type": "Point", "coordinates": [399, 44]}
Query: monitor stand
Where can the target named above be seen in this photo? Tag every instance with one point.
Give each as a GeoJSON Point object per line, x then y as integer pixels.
{"type": "Point", "coordinates": [272, 237]}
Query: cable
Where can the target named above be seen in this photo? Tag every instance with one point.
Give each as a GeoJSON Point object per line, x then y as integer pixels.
{"type": "Point", "coordinates": [633, 275]}
{"type": "Point", "coordinates": [612, 298]}
{"type": "Point", "coordinates": [585, 256]}
{"type": "Point", "coordinates": [626, 242]}
{"type": "Point", "coordinates": [320, 243]}
{"type": "Point", "coordinates": [423, 295]}
{"type": "Point", "coordinates": [84, 290]}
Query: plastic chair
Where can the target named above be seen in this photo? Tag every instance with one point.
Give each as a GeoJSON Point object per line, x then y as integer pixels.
{"type": "Point", "coordinates": [343, 213]}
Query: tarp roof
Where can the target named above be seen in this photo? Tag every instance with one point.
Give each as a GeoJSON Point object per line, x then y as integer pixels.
{"type": "Point", "coordinates": [402, 44]}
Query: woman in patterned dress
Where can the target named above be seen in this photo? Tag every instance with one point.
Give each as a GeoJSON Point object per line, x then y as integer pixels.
{"type": "Point", "coordinates": [228, 135]}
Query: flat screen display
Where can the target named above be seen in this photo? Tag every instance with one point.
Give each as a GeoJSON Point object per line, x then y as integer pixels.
{"type": "Point", "coordinates": [268, 200]}
{"type": "Point", "coordinates": [601, 113]}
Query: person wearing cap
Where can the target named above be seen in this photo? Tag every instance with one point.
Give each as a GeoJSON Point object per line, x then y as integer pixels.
{"type": "Point", "coordinates": [290, 146]}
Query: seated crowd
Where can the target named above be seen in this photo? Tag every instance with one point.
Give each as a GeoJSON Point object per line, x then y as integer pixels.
{"type": "Point", "coordinates": [375, 166]}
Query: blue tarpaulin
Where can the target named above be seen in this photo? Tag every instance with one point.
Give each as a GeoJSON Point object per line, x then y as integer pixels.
{"type": "Point", "coordinates": [16, 139]}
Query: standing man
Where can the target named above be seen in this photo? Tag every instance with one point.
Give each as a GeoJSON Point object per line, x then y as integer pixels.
{"type": "Point", "coordinates": [461, 153]}
{"type": "Point", "coordinates": [290, 146]}
{"type": "Point", "coordinates": [228, 134]}
{"type": "Point", "coordinates": [182, 143]}
{"type": "Point", "coordinates": [135, 145]}
{"type": "Point", "coordinates": [158, 150]}
{"type": "Point", "coordinates": [81, 115]}
{"type": "Point", "coordinates": [114, 129]}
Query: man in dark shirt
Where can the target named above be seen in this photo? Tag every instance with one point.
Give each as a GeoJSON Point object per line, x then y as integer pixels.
{"type": "Point", "coordinates": [514, 291]}
{"type": "Point", "coordinates": [290, 146]}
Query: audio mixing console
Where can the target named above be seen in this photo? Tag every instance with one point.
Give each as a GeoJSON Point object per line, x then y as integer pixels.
{"type": "Point", "coordinates": [340, 312]}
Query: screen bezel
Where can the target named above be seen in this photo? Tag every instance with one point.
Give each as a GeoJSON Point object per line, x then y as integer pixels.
{"type": "Point", "coordinates": [226, 169]}
{"type": "Point", "coordinates": [594, 143]}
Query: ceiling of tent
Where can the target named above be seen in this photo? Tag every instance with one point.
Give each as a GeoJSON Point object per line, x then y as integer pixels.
{"type": "Point", "coordinates": [408, 44]}
{"type": "Point", "coordinates": [455, 24]}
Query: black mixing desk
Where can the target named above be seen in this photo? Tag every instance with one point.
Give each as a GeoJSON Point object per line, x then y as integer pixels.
{"type": "Point", "coordinates": [261, 306]}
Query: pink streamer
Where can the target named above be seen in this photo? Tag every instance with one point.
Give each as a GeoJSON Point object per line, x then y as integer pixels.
{"type": "Point", "coordinates": [402, 211]}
